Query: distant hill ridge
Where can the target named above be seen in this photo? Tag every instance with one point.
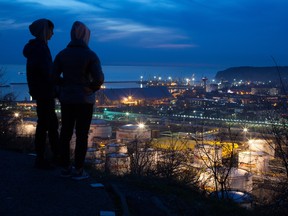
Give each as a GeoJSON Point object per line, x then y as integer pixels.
{"type": "Point", "coordinates": [247, 73]}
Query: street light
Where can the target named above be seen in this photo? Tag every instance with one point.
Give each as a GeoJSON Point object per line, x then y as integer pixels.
{"type": "Point", "coordinates": [141, 125]}
{"type": "Point", "coordinates": [245, 130]}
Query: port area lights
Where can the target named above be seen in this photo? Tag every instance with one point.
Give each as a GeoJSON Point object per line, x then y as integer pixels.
{"type": "Point", "coordinates": [129, 100]}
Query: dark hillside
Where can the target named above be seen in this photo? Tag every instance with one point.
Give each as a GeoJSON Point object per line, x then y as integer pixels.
{"type": "Point", "coordinates": [247, 73]}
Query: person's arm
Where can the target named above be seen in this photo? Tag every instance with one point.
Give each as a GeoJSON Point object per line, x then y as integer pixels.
{"type": "Point", "coordinates": [57, 71]}
{"type": "Point", "coordinates": [97, 75]}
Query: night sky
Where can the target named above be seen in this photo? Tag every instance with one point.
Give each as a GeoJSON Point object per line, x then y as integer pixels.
{"type": "Point", "coordinates": [201, 33]}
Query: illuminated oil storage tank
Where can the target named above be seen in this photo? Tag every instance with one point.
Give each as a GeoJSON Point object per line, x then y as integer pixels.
{"type": "Point", "coordinates": [262, 145]}
{"type": "Point", "coordinates": [131, 132]}
{"type": "Point", "coordinates": [26, 128]}
{"type": "Point", "coordinates": [241, 180]}
{"type": "Point", "coordinates": [238, 179]}
{"type": "Point", "coordinates": [117, 164]}
{"type": "Point", "coordinates": [255, 162]}
{"type": "Point", "coordinates": [101, 128]}
{"type": "Point", "coordinates": [113, 148]}
{"type": "Point", "coordinates": [98, 129]}
{"type": "Point", "coordinates": [207, 155]}
{"type": "Point", "coordinates": [146, 158]}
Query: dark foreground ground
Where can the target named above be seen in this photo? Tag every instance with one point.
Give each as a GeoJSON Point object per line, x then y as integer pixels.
{"type": "Point", "coordinates": [26, 191]}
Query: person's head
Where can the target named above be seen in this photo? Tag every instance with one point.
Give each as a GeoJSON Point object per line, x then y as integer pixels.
{"type": "Point", "coordinates": [79, 31]}
{"type": "Point", "coordinates": [42, 29]}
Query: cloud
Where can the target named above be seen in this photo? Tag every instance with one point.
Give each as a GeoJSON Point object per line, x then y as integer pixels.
{"type": "Point", "coordinates": [115, 29]}
{"type": "Point", "coordinates": [174, 46]}
{"type": "Point", "coordinates": [125, 26]}
{"type": "Point", "coordinates": [159, 3]}
{"type": "Point", "coordinates": [71, 5]}
{"type": "Point", "coordinates": [7, 24]}
{"type": "Point", "coordinates": [111, 24]}
{"type": "Point", "coordinates": [136, 34]}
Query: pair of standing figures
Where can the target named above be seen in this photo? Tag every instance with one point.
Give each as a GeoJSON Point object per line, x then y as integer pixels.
{"type": "Point", "coordinates": [73, 77]}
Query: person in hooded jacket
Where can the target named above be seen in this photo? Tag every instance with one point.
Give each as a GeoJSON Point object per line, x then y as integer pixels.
{"type": "Point", "coordinates": [39, 67]}
{"type": "Point", "coordinates": [78, 71]}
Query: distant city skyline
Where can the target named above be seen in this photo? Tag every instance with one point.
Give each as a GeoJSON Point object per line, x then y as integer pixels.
{"type": "Point", "coordinates": [197, 33]}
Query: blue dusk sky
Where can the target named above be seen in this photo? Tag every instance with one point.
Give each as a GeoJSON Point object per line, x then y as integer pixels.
{"type": "Point", "coordinates": [200, 33]}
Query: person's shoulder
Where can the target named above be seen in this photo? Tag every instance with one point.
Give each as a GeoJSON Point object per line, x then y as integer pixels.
{"type": "Point", "coordinates": [61, 52]}
{"type": "Point", "coordinates": [34, 43]}
{"type": "Point", "coordinates": [92, 53]}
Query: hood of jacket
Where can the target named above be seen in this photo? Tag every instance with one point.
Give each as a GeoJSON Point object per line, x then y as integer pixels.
{"type": "Point", "coordinates": [40, 28]}
{"type": "Point", "coordinates": [80, 32]}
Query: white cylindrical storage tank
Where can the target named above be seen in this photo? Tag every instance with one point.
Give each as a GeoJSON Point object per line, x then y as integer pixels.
{"type": "Point", "coordinates": [91, 154]}
{"type": "Point", "coordinates": [101, 128]}
{"type": "Point", "coordinates": [99, 165]}
{"type": "Point", "coordinates": [207, 155]}
{"type": "Point", "coordinates": [151, 153]}
{"type": "Point", "coordinates": [115, 148]}
{"type": "Point", "coordinates": [91, 137]}
{"type": "Point", "coordinates": [262, 145]}
{"type": "Point", "coordinates": [97, 129]}
{"type": "Point", "coordinates": [145, 158]}
{"type": "Point", "coordinates": [131, 132]}
{"type": "Point", "coordinates": [118, 164]}
{"type": "Point", "coordinates": [255, 162]}
{"type": "Point", "coordinates": [238, 179]}
{"type": "Point", "coordinates": [26, 128]}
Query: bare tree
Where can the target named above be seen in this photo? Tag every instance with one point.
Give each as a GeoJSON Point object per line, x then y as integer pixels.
{"type": "Point", "coordinates": [218, 160]}
{"type": "Point", "coordinates": [8, 119]}
{"type": "Point", "coordinates": [276, 137]}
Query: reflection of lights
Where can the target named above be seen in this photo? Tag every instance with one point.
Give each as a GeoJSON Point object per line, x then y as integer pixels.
{"type": "Point", "coordinates": [16, 114]}
{"type": "Point", "coordinates": [127, 113]}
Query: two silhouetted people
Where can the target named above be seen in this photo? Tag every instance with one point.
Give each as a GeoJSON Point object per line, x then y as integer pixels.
{"type": "Point", "coordinates": [77, 73]}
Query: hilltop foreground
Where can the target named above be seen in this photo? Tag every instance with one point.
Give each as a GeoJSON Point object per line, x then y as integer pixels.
{"type": "Point", "coordinates": [29, 191]}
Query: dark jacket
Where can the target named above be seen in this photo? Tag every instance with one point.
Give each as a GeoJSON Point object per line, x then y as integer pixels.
{"type": "Point", "coordinates": [39, 62]}
{"type": "Point", "coordinates": [81, 73]}
{"type": "Point", "coordinates": [39, 69]}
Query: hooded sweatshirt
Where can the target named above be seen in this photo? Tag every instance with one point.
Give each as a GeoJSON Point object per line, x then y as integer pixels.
{"type": "Point", "coordinates": [39, 61]}
{"type": "Point", "coordinates": [78, 69]}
